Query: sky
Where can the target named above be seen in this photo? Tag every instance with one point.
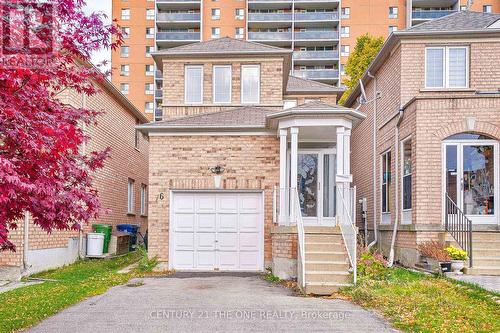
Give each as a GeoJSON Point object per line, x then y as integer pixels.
{"type": "Point", "coordinates": [100, 6]}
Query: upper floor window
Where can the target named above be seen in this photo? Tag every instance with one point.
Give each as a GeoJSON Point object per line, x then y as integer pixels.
{"type": "Point", "coordinates": [386, 182]}
{"type": "Point", "coordinates": [124, 88]}
{"type": "Point", "coordinates": [193, 89]}
{"type": "Point", "coordinates": [446, 67]}
{"type": "Point", "coordinates": [149, 107]}
{"type": "Point", "coordinates": [392, 28]}
{"type": "Point", "coordinates": [289, 103]}
{"type": "Point", "coordinates": [215, 13]}
{"type": "Point", "coordinates": [345, 31]}
{"type": "Point", "coordinates": [239, 33]}
{"type": "Point", "coordinates": [130, 196]}
{"type": "Point", "coordinates": [125, 14]}
{"type": "Point", "coordinates": [215, 32]}
{"type": "Point", "coordinates": [125, 70]}
{"type": "Point", "coordinates": [345, 50]}
{"type": "Point", "coordinates": [250, 84]}
{"type": "Point", "coordinates": [406, 173]}
{"type": "Point", "coordinates": [222, 84]}
{"type": "Point", "coordinates": [150, 14]}
{"type": "Point", "coordinates": [149, 50]}
{"type": "Point", "coordinates": [150, 70]}
{"type": "Point", "coordinates": [149, 88]}
{"type": "Point", "coordinates": [144, 199]}
{"type": "Point", "coordinates": [126, 32]}
{"type": "Point", "coordinates": [150, 32]}
{"type": "Point", "coordinates": [345, 12]}
{"type": "Point", "coordinates": [137, 136]}
{"type": "Point", "coordinates": [487, 9]}
{"type": "Point", "coordinates": [393, 12]}
{"type": "Point", "coordinates": [239, 14]}
{"type": "Point", "coordinates": [124, 51]}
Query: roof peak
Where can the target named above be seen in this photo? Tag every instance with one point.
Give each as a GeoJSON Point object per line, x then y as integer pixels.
{"type": "Point", "coordinates": [460, 21]}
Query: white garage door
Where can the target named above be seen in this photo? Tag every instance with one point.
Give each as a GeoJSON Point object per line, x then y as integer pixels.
{"type": "Point", "coordinates": [217, 231]}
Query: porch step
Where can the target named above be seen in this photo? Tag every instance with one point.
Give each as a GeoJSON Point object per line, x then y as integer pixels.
{"type": "Point", "coordinates": [323, 238]}
{"type": "Point", "coordinates": [328, 276]}
{"type": "Point", "coordinates": [485, 236]}
{"type": "Point", "coordinates": [325, 255]}
{"type": "Point", "coordinates": [324, 288]}
{"type": "Point", "coordinates": [322, 230]}
{"type": "Point", "coordinates": [478, 270]}
{"type": "Point", "coordinates": [486, 261]}
{"type": "Point", "coordinates": [484, 251]}
{"type": "Point", "coordinates": [327, 265]}
{"type": "Point", "coordinates": [324, 246]}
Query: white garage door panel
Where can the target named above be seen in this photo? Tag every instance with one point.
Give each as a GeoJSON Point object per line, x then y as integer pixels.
{"type": "Point", "coordinates": [217, 231]}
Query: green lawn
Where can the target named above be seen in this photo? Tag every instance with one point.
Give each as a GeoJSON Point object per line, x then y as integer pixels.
{"type": "Point", "coordinates": [415, 302]}
{"type": "Point", "coordinates": [26, 306]}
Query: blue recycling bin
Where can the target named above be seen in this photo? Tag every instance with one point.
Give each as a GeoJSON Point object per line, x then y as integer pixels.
{"type": "Point", "coordinates": [131, 229]}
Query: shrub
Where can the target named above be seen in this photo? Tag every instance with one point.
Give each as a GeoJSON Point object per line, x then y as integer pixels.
{"type": "Point", "coordinates": [371, 264]}
{"type": "Point", "coordinates": [434, 250]}
{"type": "Point", "coordinates": [456, 254]}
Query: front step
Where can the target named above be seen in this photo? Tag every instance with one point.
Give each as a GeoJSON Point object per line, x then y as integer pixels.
{"type": "Point", "coordinates": [479, 270]}
{"type": "Point", "coordinates": [326, 261]}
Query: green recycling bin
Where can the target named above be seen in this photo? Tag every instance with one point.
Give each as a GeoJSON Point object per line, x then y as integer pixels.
{"type": "Point", "coordinates": [106, 230]}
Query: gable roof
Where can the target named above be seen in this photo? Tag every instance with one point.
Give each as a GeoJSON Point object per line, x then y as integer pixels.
{"type": "Point", "coordinates": [300, 85]}
{"type": "Point", "coordinates": [317, 107]}
{"type": "Point", "coordinates": [459, 21]}
{"type": "Point", "coordinates": [224, 45]}
{"type": "Point", "coordinates": [248, 117]}
{"type": "Point", "coordinates": [468, 25]}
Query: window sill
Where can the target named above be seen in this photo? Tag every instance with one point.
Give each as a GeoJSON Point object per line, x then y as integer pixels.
{"type": "Point", "coordinates": [447, 90]}
{"type": "Point", "coordinates": [137, 149]}
{"type": "Point", "coordinates": [130, 214]}
{"type": "Point", "coordinates": [144, 215]}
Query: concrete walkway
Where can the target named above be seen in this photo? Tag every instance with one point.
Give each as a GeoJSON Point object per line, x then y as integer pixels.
{"type": "Point", "coordinates": [210, 303]}
{"type": "Point", "coordinates": [491, 283]}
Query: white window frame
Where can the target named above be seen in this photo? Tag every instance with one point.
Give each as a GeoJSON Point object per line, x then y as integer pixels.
{"type": "Point", "coordinates": [347, 12]}
{"type": "Point", "coordinates": [230, 83]}
{"type": "Point", "coordinates": [185, 81]}
{"type": "Point", "coordinates": [150, 35]}
{"type": "Point", "coordinates": [125, 72]}
{"type": "Point", "coordinates": [148, 16]}
{"type": "Point", "coordinates": [151, 110]}
{"type": "Point", "coordinates": [125, 16]}
{"type": "Point", "coordinates": [393, 15]}
{"type": "Point", "coordinates": [236, 35]}
{"type": "Point", "coordinates": [388, 167]}
{"type": "Point", "coordinates": [123, 91]}
{"type": "Point", "coordinates": [405, 212]}
{"type": "Point", "coordinates": [345, 31]}
{"type": "Point", "coordinates": [446, 78]}
{"type": "Point", "coordinates": [215, 17]}
{"type": "Point", "coordinates": [237, 16]}
{"type": "Point", "coordinates": [489, 7]}
{"type": "Point", "coordinates": [241, 82]}
{"type": "Point", "coordinates": [130, 196]}
{"type": "Point", "coordinates": [212, 32]}
{"type": "Point", "coordinates": [151, 72]}
{"type": "Point", "coordinates": [345, 50]}
{"type": "Point", "coordinates": [122, 54]}
{"type": "Point", "coordinates": [126, 32]}
{"type": "Point", "coordinates": [149, 91]}
{"type": "Point", "coordinates": [144, 191]}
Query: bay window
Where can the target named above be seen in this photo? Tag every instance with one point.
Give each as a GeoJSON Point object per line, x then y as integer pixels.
{"type": "Point", "coordinates": [222, 84]}
{"type": "Point", "coordinates": [193, 88]}
{"type": "Point", "coordinates": [250, 84]}
{"type": "Point", "coordinates": [446, 67]}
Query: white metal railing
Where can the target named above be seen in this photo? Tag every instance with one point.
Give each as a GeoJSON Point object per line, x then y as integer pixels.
{"type": "Point", "coordinates": [346, 219]}
{"type": "Point", "coordinates": [301, 237]}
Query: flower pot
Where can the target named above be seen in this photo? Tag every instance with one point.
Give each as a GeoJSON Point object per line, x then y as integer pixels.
{"type": "Point", "coordinates": [457, 266]}
{"type": "Point", "coordinates": [217, 181]}
{"type": "Point", "coordinates": [445, 266]}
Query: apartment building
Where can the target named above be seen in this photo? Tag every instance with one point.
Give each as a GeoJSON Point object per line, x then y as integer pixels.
{"type": "Point", "coordinates": [322, 33]}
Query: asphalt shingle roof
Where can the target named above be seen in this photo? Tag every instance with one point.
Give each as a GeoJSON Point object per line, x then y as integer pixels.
{"type": "Point", "coordinates": [296, 84]}
{"type": "Point", "coordinates": [317, 106]}
{"type": "Point", "coordinates": [224, 45]}
{"type": "Point", "coordinates": [459, 21]}
{"type": "Point", "coordinates": [247, 116]}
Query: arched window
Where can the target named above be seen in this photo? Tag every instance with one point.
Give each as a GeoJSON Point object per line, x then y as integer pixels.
{"type": "Point", "coordinates": [469, 136]}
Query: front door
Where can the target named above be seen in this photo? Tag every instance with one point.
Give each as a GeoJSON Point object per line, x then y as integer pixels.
{"type": "Point", "coordinates": [471, 178]}
{"type": "Point", "coordinates": [316, 186]}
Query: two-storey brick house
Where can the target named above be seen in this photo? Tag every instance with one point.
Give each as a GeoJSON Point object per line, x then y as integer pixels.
{"type": "Point", "coordinates": [230, 105]}
{"type": "Point", "coordinates": [433, 112]}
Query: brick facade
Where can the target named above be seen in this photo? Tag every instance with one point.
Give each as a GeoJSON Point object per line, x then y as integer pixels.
{"type": "Point", "coordinates": [115, 129]}
{"type": "Point", "coordinates": [251, 162]}
{"type": "Point", "coordinates": [429, 118]}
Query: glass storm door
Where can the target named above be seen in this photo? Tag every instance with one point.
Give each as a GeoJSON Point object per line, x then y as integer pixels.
{"type": "Point", "coordinates": [316, 186]}
{"type": "Point", "coordinates": [471, 178]}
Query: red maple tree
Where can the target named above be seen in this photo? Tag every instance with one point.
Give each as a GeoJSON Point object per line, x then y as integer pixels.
{"type": "Point", "coordinates": [46, 49]}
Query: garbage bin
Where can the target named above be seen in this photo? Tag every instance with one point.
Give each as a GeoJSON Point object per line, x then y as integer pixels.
{"type": "Point", "coordinates": [132, 229]}
{"type": "Point", "coordinates": [95, 244]}
{"type": "Point", "coordinates": [106, 230]}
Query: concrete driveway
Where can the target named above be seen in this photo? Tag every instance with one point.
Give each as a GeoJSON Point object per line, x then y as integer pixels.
{"type": "Point", "coordinates": [210, 303]}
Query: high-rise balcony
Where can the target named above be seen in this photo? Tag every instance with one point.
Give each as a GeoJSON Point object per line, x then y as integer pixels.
{"type": "Point", "coordinates": [177, 17]}
{"type": "Point", "coordinates": [316, 16]}
{"type": "Point", "coordinates": [430, 14]}
{"type": "Point", "coordinates": [266, 17]}
{"type": "Point", "coordinates": [318, 74]}
{"type": "Point", "coordinates": [158, 93]}
{"type": "Point", "coordinates": [311, 35]}
{"type": "Point", "coordinates": [315, 55]}
{"type": "Point", "coordinates": [178, 36]}
{"type": "Point", "coordinates": [270, 36]}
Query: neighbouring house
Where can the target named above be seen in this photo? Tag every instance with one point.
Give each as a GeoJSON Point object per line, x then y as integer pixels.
{"type": "Point", "coordinates": [246, 165]}
{"type": "Point", "coordinates": [122, 183]}
{"type": "Point", "coordinates": [433, 106]}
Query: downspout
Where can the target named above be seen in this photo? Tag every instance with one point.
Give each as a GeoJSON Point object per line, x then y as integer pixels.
{"type": "Point", "coordinates": [374, 162]}
{"type": "Point", "coordinates": [83, 149]}
{"type": "Point", "coordinates": [396, 172]}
